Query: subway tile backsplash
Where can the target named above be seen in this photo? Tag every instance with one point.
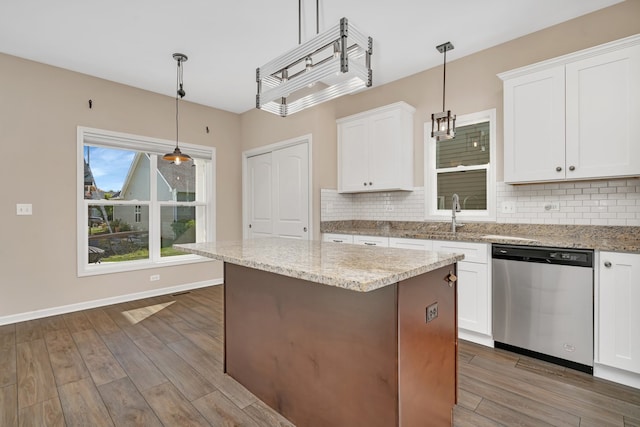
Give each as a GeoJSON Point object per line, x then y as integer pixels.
{"type": "Point", "coordinates": [602, 202]}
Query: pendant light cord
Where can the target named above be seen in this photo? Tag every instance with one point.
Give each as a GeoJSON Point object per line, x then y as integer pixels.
{"type": "Point", "coordinates": [179, 93]}
{"type": "Point", "coordinates": [444, 77]}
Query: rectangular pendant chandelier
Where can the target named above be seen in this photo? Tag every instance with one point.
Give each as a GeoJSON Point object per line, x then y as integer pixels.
{"type": "Point", "coordinates": [333, 63]}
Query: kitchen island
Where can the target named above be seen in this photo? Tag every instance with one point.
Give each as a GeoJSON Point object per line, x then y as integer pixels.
{"type": "Point", "coordinates": [337, 335]}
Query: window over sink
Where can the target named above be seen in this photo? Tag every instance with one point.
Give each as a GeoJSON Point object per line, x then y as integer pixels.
{"type": "Point", "coordinates": [464, 165]}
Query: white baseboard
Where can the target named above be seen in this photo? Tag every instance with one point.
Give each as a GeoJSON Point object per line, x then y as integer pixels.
{"type": "Point", "coordinates": [619, 376]}
{"type": "Point", "coordinates": [37, 314]}
{"type": "Point", "coordinates": [475, 337]}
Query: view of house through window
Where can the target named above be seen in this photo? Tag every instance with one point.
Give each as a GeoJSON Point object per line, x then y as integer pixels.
{"type": "Point", "coordinates": [462, 166]}
{"type": "Point", "coordinates": [138, 205]}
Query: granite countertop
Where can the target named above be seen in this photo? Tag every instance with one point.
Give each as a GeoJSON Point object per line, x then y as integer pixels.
{"type": "Point", "coordinates": [606, 238]}
{"type": "Point", "coordinates": [358, 268]}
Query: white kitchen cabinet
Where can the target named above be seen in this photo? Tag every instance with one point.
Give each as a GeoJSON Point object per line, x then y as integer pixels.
{"type": "Point", "coordinates": [617, 314]}
{"type": "Point", "coordinates": [371, 241]}
{"type": "Point", "coordinates": [337, 238]}
{"type": "Point", "coordinates": [474, 290]}
{"type": "Point", "coordinates": [375, 150]}
{"type": "Point", "coordinates": [404, 243]}
{"type": "Point", "coordinates": [574, 117]}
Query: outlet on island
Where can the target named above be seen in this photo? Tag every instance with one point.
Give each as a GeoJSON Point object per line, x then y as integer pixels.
{"type": "Point", "coordinates": [432, 312]}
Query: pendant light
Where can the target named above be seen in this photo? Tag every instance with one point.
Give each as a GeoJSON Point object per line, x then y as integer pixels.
{"type": "Point", "coordinates": [333, 63]}
{"type": "Point", "coordinates": [443, 124]}
{"type": "Point", "coordinates": [178, 156]}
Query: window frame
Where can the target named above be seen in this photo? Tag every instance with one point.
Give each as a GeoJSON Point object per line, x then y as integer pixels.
{"type": "Point", "coordinates": [431, 173]}
{"type": "Point", "coordinates": [153, 146]}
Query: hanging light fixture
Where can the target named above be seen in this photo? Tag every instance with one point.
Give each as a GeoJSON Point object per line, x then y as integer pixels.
{"type": "Point", "coordinates": [178, 156]}
{"type": "Point", "coordinates": [443, 124]}
{"type": "Point", "coordinates": [334, 63]}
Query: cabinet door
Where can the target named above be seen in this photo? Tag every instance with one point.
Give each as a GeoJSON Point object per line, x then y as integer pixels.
{"type": "Point", "coordinates": [384, 150]}
{"type": "Point", "coordinates": [473, 297]}
{"type": "Point", "coordinates": [618, 314]}
{"type": "Point", "coordinates": [603, 110]}
{"type": "Point", "coordinates": [353, 156]}
{"type": "Point", "coordinates": [534, 137]}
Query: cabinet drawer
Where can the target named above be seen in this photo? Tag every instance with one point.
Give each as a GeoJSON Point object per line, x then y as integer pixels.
{"type": "Point", "coordinates": [371, 241]}
{"type": "Point", "coordinates": [421, 244]}
{"type": "Point", "coordinates": [473, 252]}
{"type": "Point", "coordinates": [337, 238]}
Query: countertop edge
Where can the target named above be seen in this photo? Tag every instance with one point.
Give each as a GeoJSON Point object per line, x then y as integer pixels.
{"type": "Point", "coordinates": [363, 285]}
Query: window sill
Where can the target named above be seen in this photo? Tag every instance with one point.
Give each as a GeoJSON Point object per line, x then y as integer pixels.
{"type": "Point", "coordinates": [107, 268]}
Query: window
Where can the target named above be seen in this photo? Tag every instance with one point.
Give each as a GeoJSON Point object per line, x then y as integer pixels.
{"type": "Point", "coordinates": [133, 206]}
{"type": "Point", "coordinates": [463, 165]}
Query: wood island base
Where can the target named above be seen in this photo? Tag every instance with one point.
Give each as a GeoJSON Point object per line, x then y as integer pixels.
{"type": "Point", "coordinates": [327, 356]}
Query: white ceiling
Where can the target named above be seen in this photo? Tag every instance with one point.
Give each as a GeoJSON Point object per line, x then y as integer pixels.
{"type": "Point", "coordinates": [132, 41]}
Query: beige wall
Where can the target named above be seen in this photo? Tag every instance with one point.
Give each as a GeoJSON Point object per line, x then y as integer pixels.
{"type": "Point", "coordinates": [472, 85]}
{"type": "Point", "coordinates": [42, 106]}
{"type": "Point", "coordinates": [40, 110]}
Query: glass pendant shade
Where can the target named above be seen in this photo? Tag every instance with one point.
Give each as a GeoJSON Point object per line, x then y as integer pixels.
{"type": "Point", "coordinates": [333, 63]}
{"type": "Point", "coordinates": [443, 125]}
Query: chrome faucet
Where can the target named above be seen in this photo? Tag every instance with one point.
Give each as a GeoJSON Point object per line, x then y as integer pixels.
{"type": "Point", "coordinates": [455, 207]}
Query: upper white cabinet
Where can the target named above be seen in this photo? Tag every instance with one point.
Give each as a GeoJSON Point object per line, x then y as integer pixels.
{"type": "Point", "coordinates": [618, 317]}
{"type": "Point", "coordinates": [375, 150]}
{"type": "Point", "coordinates": [574, 117]}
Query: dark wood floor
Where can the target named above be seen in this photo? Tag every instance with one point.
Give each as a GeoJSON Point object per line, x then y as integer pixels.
{"type": "Point", "coordinates": [158, 361]}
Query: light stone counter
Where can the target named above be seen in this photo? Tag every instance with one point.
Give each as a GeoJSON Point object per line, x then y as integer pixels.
{"type": "Point", "coordinates": [354, 267]}
{"type": "Point", "coordinates": [604, 238]}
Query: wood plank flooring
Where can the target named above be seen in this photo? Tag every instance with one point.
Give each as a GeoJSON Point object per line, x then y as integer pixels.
{"type": "Point", "coordinates": [158, 362]}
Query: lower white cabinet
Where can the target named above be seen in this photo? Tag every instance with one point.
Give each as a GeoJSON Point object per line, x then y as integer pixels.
{"type": "Point", "coordinates": [618, 315]}
{"type": "Point", "coordinates": [474, 290]}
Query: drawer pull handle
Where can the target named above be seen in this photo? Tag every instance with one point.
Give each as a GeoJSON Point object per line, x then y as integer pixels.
{"type": "Point", "coordinates": [607, 264]}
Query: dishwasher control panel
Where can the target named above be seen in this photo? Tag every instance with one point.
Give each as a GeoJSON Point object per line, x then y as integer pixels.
{"type": "Point", "coordinates": [544, 255]}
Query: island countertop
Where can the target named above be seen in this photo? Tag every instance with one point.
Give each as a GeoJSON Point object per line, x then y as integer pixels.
{"type": "Point", "coordinates": [354, 267]}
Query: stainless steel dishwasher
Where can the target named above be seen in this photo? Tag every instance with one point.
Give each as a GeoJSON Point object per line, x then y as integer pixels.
{"type": "Point", "coordinates": [543, 303]}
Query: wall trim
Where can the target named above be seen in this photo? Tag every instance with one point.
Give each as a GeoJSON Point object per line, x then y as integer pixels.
{"type": "Point", "coordinates": [38, 314]}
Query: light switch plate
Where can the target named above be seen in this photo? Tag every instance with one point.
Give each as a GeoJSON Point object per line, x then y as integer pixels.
{"type": "Point", "coordinates": [24, 209]}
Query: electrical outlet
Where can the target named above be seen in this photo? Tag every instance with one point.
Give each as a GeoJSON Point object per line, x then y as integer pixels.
{"type": "Point", "coordinates": [388, 208]}
{"type": "Point", "coordinates": [24, 209]}
{"type": "Point", "coordinates": [432, 312]}
{"type": "Point", "coordinates": [154, 277]}
{"type": "Point", "coordinates": [508, 207]}
{"type": "Point", "coordinates": [552, 206]}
